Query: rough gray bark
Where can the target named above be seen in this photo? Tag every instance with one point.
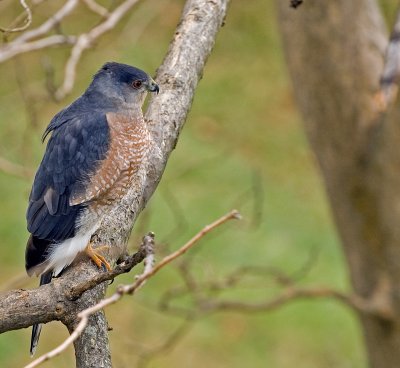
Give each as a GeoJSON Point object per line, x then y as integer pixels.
{"type": "Point", "coordinates": [177, 77]}
{"type": "Point", "coordinates": [335, 53]}
{"type": "Point", "coordinates": [92, 346]}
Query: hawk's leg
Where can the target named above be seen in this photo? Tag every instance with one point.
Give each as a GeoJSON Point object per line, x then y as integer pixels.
{"type": "Point", "coordinates": [96, 257]}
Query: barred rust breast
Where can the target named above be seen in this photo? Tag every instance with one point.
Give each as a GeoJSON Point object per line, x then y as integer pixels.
{"type": "Point", "coordinates": [129, 143]}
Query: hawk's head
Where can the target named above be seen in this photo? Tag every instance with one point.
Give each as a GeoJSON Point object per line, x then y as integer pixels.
{"type": "Point", "coordinates": [121, 81]}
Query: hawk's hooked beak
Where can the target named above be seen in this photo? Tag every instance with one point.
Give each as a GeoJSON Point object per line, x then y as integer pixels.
{"type": "Point", "coordinates": [152, 86]}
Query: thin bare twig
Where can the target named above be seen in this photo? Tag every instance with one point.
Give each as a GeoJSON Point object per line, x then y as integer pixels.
{"type": "Point", "coordinates": [22, 16]}
{"type": "Point", "coordinates": [11, 50]}
{"type": "Point", "coordinates": [97, 8]}
{"type": "Point", "coordinates": [201, 292]}
{"type": "Point", "coordinates": [24, 43]}
{"type": "Point", "coordinates": [206, 305]}
{"type": "Point", "coordinates": [47, 26]}
{"type": "Point", "coordinates": [131, 288]}
{"type": "Point", "coordinates": [291, 294]}
{"type": "Point", "coordinates": [28, 20]}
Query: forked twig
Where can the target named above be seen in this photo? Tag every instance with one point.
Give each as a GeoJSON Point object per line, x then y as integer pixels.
{"type": "Point", "coordinates": [85, 41]}
{"type": "Point", "coordinates": [131, 288]}
{"type": "Point", "coordinates": [49, 24]}
{"type": "Point", "coordinates": [28, 20]}
{"type": "Point", "coordinates": [31, 41]}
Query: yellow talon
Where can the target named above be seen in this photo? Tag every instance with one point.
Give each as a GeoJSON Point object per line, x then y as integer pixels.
{"type": "Point", "coordinates": [97, 258]}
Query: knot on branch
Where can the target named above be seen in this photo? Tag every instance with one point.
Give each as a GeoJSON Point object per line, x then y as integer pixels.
{"type": "Point", "coordinates": [295, 3]}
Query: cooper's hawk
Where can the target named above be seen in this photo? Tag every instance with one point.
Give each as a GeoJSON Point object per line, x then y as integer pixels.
{"type": "Point", "coordinates": [97, 150]}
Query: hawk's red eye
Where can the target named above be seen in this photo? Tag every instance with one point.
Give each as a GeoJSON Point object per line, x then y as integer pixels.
{"type": "Point", "coordinates": [137, 84]}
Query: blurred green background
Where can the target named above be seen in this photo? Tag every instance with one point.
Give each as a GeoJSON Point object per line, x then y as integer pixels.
{"type": "Point", "coordinates": [243, 147]}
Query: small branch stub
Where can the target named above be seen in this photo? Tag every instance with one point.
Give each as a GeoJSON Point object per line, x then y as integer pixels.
{"type": "Point", "coordinates": [295, 3]}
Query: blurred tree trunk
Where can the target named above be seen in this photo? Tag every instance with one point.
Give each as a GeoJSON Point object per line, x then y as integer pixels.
{"type": "Point", "coordinates": [335, 53]}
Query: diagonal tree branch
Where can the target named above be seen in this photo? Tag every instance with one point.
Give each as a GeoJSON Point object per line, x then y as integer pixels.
{"type": "Point", "coordinates": [178, 77]}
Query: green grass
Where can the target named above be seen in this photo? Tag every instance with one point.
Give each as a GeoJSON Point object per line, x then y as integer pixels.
{"type": "Point", "coordinates": [243, 146]}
